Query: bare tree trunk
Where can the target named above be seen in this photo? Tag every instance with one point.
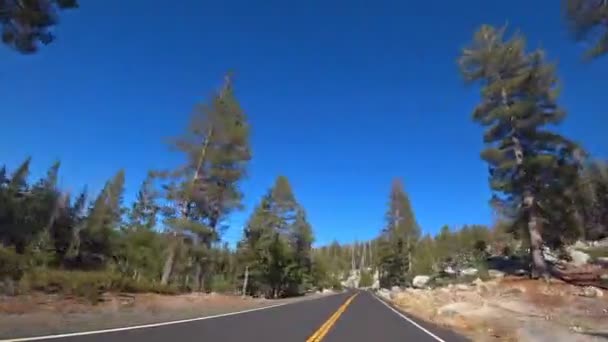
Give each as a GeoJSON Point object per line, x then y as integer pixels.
{"type": "Point", "coordinates": [362, 262]}
{"type": "Point", "coordinates": [245, 281]}
{"type": "Point", "coordinates": [409, 255]}
{"type": "Point", "coordinates": [187, 281]}
{"type": "Point", "coordinates": [539, 264]}
{"type": "Point", "coordinates": [198, 271]}
{"type": "Point", "coordinates": [168, 268]}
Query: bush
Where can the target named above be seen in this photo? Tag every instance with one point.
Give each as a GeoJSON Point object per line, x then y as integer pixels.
{"type": "Point", "coordinates": [75, 283]}
{"type": "Point", "coordinates": [366, 279]}
{"type": "Point", "coordinates": [336, 285]}
{"type": "Point", "coordinates": [220, 284]}
{"type": "Point", "coordinates": [12, 264]}
{"type": "Point", "coordinates": [87, 284]}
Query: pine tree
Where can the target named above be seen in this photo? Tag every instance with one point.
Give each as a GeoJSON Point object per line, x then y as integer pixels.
{"type": "Point", "coordinates": [400, 236]}
{"type": "Point", "coordinates": [105, 217]}
{"type": "Point", "coordinates": [14, 225]}
{"type": "Point", "coordinates": [254, 249]}
{"type": "Point", "coordinates": [277, 244]}
{"type": "Point", "coordinates": [593, 199]}
{"type": "Point", "coordinates": [45, 203]}
{"type": "Point", "coordinates": [301, 244]}
{"type": "Point", "coordinates": [27, 23]}
{"type": "Point", "coordinates": [284, 204]}
{"type": "Point", "coordinates": [144, 210]}
{"type": "Point", "coordinates": [65, 230]}
{"type": "Point", "coordinates": [529, 165]}
{"type": "Point", "coordinates": [585, 18]}
{"type": "Point", "coordinates": [205, 189]}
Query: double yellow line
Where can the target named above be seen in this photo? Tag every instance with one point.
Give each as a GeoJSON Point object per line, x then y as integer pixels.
{"type": "Point", "coordinates": [324, 329]}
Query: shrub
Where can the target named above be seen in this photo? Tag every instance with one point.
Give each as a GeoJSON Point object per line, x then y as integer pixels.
{"type": "Point", "coordinates": [336, 284]}
{"type": "Point", "coordinates": [366, 279]}
{"type": "Point", "coordinates": [12, 264]}
{"type": "Point", "coordinates": [87, 284]}
{"type": "Point", "coordinates": [219, 283]}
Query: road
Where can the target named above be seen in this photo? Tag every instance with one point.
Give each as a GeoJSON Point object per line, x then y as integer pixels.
{"type": "Point", "coordinates": [356, 316]}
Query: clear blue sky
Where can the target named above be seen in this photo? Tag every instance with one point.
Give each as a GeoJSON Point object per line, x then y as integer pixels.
{"type": "Point", "coordinates": [342, 96]}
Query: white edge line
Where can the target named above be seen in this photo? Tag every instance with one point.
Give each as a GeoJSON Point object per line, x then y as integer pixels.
{"type": "Point", "coordinates": [152, 325]}
{"type": "Point", "coordinates": [405, 318]}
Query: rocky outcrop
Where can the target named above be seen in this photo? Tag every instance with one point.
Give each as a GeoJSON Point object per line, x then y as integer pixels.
{"type": "Point", "coordinates": [421, 281]}
{"type": "Point", "coordinates": [579, 258]}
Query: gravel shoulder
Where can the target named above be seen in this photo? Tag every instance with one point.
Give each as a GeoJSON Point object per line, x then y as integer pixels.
{"type": "Point", "coordinates": [38, 314]}
{"type": "Point", "coordinates": [511, 309]}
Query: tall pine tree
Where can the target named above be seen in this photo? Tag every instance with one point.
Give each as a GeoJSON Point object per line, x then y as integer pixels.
{"type": "Point", "coordinates": [399, 237]}
{"type": "Point", "coordinates": [205, 189]}
{"type": "Point", "coordinates": [529, 165]}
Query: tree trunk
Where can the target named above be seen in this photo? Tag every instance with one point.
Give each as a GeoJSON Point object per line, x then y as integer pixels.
{"type": "Point", "coordinates": [409, 255]}
{"type": "Point", "coordinates": [409, 262]}
{"type": "Point", "coordinates": [245, 281]}
{"type": "Point", "coordinates": [202, 284]}
{"type": "Point", "coordinates": [539, 264]}
{"type": "Point", "coordinates": [168, 268]}
{"type": "Point", "coordinates": [198, 272]}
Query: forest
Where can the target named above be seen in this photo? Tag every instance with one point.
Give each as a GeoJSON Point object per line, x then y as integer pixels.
{"type": "Point", "coordinates": [547, 191]}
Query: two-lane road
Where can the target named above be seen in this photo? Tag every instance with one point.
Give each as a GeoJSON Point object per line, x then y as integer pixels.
{"type": "Point", "coordinates": [353, 317]}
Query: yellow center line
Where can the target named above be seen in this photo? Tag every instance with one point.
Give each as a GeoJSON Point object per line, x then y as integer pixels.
{"type": "Point", "coordinates": [324, 329]}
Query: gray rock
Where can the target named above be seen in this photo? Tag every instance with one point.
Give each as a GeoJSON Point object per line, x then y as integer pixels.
{"type": "Point", "coordinates": [520, 272]}
{"type": "Point", "coordinates": [581, 245]}
{"type": "Point", "coordinates": [384, 293]}
{"type": "Point", "coordinates": [420, 281]}
{"type": "Point", "coordinates": [462, 287]}
{"type": "Point", "coordinates": [450, 270]}
{"type": "Point", "coordinates": [549, 255]}
{"type": "Point", "coordinates": [469, 271]}
{"type": "Point", "coordinates": [376, 284]}
{"type": "Point", "coordinates": [454, 309]}
{"type": "Point", "coordinates": [496, 274]}
{"type": "Point", "coordinates": [592, 292]}
{"type": "Point", "coordinates": [478, 282]}
{"type": "Point", "coordinates": [578, 258]}
{"type": "Point", "coordinates": [601, 243]}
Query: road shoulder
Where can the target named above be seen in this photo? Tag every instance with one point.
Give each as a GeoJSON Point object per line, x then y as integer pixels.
{"type": "Point", "coordinates": [54, 317]}
{"type": "Point", "coordinates": [435, 332]}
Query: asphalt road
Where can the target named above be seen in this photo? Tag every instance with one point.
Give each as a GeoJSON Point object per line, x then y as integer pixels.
{"type": "Point", "coordinates": [330, 319]}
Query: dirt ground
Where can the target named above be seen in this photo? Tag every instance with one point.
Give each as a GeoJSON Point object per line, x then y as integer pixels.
{"type": "Point", "coordinates": [41, 314]}
{"type": "Point", "coordinates": [513, 309]}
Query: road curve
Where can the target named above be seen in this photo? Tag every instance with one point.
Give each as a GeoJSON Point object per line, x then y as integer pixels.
{"type": "Point", "coordinates": [334, 318]}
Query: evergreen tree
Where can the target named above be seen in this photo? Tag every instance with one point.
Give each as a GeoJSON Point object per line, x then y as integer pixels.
{"type": "Point", "coordinates": [144, 210]}
{"type": "Point", "coordinates": [301, 243]}
{"type": "Point", "coordinates": [27, 23]}
{"type": "Point", "coordinates": [528, 164]}
{"type": "Point", "coordinates": [399, 237]}
{"type": "Point", "coordinates": [15, 230]}
{"type": "Point", "coordinates": [586, 19]}
{"type": "Point", "coordinates": [105, 217]}
{"type": "Point", "coordinates": [425, 256]}
{"type": "Point", "coordinates": [277, 244]}
{"type": "Point", "coordinates": [65, 231]}
{"type": "Point", "coordinates": [204, 190]}
{"type": "Point", "coordinates": [592, 193]}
